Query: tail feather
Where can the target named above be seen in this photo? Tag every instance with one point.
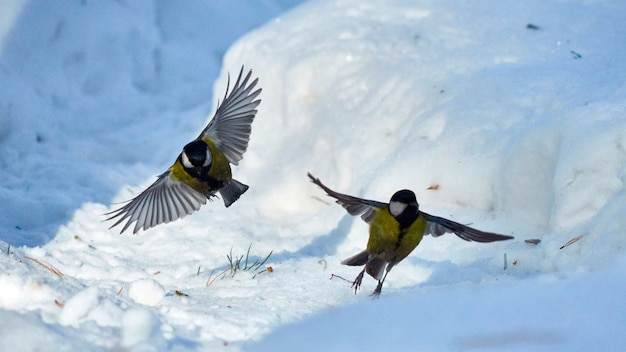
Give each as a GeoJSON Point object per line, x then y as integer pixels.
{"type": "Point", "coordinates": [376, 267]}
{"type": "Point", "coordinates": [232, 191]}
{"type": "Point", "coordinates": [373, 265]}
{"type": "Point", "coordinates": [356, 260]}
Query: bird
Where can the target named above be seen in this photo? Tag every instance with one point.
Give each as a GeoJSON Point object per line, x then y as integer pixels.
{"type": "Point", "coordinates": [395, 230]}
{"type": "Point", "coordinates": [202, 169]}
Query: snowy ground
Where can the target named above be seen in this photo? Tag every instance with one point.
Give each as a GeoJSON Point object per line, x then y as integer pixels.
{"type": "Point", "coordinates": [507, 116]}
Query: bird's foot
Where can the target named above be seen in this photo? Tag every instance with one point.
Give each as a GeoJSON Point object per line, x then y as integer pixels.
{"type": "Point", "coordinates": [357, 281]}
{"type": "Point", "coordinates": [379, 288]}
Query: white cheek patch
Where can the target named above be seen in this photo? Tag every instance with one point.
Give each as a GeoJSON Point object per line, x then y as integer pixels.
{"type": "Point", "coordinates": [396, 208]}
{"type": "Point", "coordinates": [185, 160]}
{"type": "Point", "coordinates": [208, 159]}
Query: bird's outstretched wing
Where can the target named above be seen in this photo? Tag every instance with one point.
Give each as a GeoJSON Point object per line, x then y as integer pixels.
{"type": "Point", "coordinates": [231, 125]}
{"type": "Point", "coordinates": [164, 201]}
{"type": "Point", "coordinates": [355, 206]}
{"type": "Point", "coordinates": [437, 226]}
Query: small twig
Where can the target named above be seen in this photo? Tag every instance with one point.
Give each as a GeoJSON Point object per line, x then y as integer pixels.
{"type": "Point", "coordinates": [59, 304]}
{"type": "Point", "coordinates": [505, 261]}
{"type": "Point", "coordinates": [49, 267]}
{"type": "Point", "coordinates": [339, 277]}
{"type": "Point", "coordinates": [571, 241]}
{"type": "Point", "coordinates": [533, 241]}
{"type": "Point", "coordinates": [119, 292]}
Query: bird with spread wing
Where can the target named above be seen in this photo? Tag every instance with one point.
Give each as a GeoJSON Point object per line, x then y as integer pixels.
{"type": "Point", "coordinates": [396, 228]}
{"type": "Point", "coordinates": [202, 168]}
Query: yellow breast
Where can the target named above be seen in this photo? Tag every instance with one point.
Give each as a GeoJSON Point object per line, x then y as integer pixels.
{"type": "Point", "coordinates": [387, 241]}
{"type": "Point", "coordinates": [220, 169]}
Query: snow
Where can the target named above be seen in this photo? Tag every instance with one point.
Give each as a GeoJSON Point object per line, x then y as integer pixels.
{"type": "Point", "coordinates": [146, 291]}
{"type": "Point", "coordinates": [505, 116]}
{"type": "Point", "coordinates": [517, 316]}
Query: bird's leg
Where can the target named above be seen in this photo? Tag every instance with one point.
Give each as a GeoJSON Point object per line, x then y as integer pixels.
{"type": "Point", "coordinates": [357, 281]}
{"type": "Point", "coordinates": [379, 287]}
{"type": "Point", "coordinates": [376, 292]}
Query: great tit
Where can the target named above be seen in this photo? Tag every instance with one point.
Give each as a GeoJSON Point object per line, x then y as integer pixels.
{"type": "Point", "coordinates": [202, 168]}
{"type": "Point", "coordinates": [395, 230]}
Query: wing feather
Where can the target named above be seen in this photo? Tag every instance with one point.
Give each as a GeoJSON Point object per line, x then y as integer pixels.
{"type": "Point", "coordinates": [230, 127]}
{"type": "Point", "coordinates": [437, 226]}
{"type": "Point", "coordinates": [164, 201]}
{"type": "Point", "coordinates": [355, 206]}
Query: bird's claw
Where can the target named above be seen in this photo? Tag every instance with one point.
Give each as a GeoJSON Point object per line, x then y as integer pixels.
{"type": "Point", "coordinates": [357, 281]}
{"type": "Point", "coordinates": [379, 288]}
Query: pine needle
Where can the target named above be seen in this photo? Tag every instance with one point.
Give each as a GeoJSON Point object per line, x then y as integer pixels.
{"type": "Point", "coordinates": [571, 241]}
{"type": "Point", "coordinates": [49, 267]}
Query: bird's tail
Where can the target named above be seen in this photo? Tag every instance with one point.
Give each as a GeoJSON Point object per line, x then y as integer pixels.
{"type": "Point", "coordinates": [376, 267]}
{"type": "Point", "coordinates": [357, 259]}
{"type": "Point", "coordinates": [373, 265]}
{"type": "Point", "coordinates": [232, 191]}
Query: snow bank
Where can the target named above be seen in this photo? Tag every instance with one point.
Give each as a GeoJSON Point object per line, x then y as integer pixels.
{"type": "Point", "coordinates": [508, 117]}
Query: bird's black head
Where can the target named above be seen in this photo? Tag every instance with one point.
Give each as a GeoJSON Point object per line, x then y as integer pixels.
{"type": "Point", "coordinates": [196, 158]}
{"type": "Point", "coordinates": [404, 207]}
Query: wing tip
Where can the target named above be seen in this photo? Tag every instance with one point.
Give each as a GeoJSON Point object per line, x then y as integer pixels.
{"type": "Point", "coordinates": [319, 183]}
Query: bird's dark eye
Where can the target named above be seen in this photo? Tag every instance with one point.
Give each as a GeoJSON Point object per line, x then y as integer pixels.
{"type": "Point", "coordinates": [196, 154]}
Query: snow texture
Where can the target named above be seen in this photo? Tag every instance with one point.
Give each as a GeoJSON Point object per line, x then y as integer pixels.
{"type": "Point", "coordinates": [508, 116]}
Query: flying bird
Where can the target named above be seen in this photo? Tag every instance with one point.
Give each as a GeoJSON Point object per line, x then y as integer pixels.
{"type": "Point", "coordinates": [202, 169]}
{"type": "Point", "coordinates": [395, 229]}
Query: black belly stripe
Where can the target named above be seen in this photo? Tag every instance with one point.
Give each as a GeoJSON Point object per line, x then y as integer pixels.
{"type": "Point", "coordinates": [214, 183]}
{"type": "Point", "coordinates": [203, 175]}
{"type": "Point", "coordinates": [405, 220]}
{"type": "Point", "coordinates": [400, 238]}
